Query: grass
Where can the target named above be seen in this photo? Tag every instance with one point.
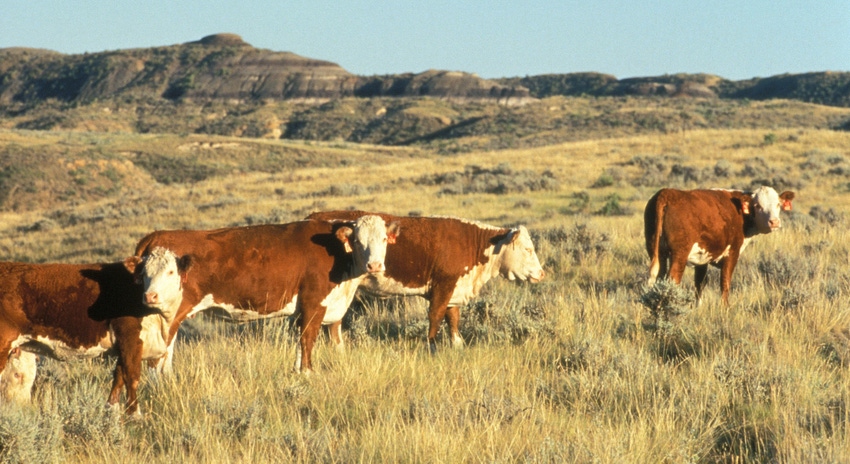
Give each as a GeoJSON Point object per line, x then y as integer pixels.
{"type": "Point", "coordinates": [570, 370]}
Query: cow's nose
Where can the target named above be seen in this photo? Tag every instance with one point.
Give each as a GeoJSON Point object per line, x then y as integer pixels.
{"type": "Point", "coordinates": [375, 266]}
{"type": "Point", "coordinates": [151, 298]}
{"type": "Point", "coordinates": [774, 223]}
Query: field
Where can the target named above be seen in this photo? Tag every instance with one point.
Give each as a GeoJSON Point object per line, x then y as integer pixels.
{"type": "Point", "coordinates": [573, 369]}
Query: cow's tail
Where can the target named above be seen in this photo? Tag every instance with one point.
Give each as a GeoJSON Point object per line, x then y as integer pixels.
{"type": "Point", "coordinates": [653, 221]}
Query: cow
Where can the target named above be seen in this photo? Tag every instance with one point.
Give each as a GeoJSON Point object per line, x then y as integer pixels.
{"type": "Point", "coordinates": [310, 269]}
{"type": "Point", "coordinates": [71, 310]}
{"type": "Point", "coordinates": [702, 227]}
{"type": "Point", "coordinates": [447, 261]}
{"type": "Point", "coordinates": [17, 378]}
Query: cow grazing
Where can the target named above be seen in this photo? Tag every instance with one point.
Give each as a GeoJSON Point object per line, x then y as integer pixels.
{"type": "Point", "coordinates": [308, 268]}
{"type": "Point", "coordinates": [447, 261]}
{"type": "Point", "coordinates": [68, 310]}
{"type": "Point", "coordinates": [702, 227]}
{"type": "Point", "coordinates": [17, 378]}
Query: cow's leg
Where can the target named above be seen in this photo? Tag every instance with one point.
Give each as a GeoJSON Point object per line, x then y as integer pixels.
{"type": "Point", "coordinates": [678, 263]}
{"type": "Point", "coordinates": [727, 267]}
{"type": "Point", "coordinates": [129, 367]}
{"type": "Point", "coordinates": [663, 265]}
{"type": "Point", "coordinates": [162, 365]}
{"type": "Point", "coordinates": [700, 272]}
{"type": "Point", "coordinates": [335, 334]}
{"type": "Point", "coordinates": [311, 322]}
{"type": "Point", "coordinates": [117, 385]}
{"type": "Point", "coordinates": [131, 362]}
{"type": "Point", "coordinates": [436, 312]}
{"type": "Point", "coordinates": [453, 319]}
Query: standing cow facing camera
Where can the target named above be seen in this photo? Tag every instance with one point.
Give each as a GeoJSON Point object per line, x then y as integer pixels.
{"type": "Point", "coordinates": [310, 269]}
{"type": "Point", "coordinates": [702, 227]}
{"type": "Point", "coordinates": [71, 310]}
{"type": "Point", "coordinates": [447, 261]}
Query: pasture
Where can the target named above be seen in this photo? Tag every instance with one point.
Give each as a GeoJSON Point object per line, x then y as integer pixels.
{"type": "Point", "coordinates": [572, 369]}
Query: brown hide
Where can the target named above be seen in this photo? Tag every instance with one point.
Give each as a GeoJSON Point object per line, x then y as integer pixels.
{"type": "Point", "coordinates": [675, 220]}
{"type": "Point", "coordinates": [260, 268]}
{"type": "Point", "coordinates": [434, 252]}
{"type": "Point", "coordinates": [75, 304]}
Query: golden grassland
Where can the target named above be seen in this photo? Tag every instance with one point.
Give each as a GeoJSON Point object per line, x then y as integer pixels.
{"type": "Point", "coordinates": [572, 369]}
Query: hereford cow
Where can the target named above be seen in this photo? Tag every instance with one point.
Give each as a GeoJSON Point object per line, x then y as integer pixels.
{"type": "Point", "coordinates": [68, 310]}
{"type": "Point", "coordinates": [447, 261]}
{"type": "Point", "coordinates": [702, 227]}
{"type": "Point", "coordinates": [311, 268]}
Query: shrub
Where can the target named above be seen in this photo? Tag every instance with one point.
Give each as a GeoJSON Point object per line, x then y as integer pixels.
{"type": "Point", "coordinates": [582, 242]}
{"type": "Point", "coordinates": [665, 301]}
{"type": "Point", "coordinates": [29, 436]}
{"type": "Point", "coordinates": [500, 180]}
{"type": "Point", "coordinates": [612, 207]}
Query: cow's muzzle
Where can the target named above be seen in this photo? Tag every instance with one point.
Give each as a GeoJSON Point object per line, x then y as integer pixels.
{"type": "Point", "coordinates": [375, 267]}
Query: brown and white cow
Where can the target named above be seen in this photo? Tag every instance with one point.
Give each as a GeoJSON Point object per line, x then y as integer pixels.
{"type": "Point", "coordinates": [307, 268]}
{"type": "Point", "coordinates": [447, 261]}
{"type": "Point", "coordinates": [702, 227]}
{"type": "Point", "coordinates": [69, 310]}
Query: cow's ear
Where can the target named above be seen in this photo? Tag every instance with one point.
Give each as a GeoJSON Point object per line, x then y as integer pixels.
{"type": "Point", "coordinates": [393, 230]}
{"type": "Point", "coordinates": [184, 263]}
{"type": "Point", "coordinates": [786, 198]}
{"type": "Point", "coordinates": [132, 264]}
{"type": "Point", "coordinates": [513, 235]}
{"type": "Point", "coordinates": [342, 235]}
{"type": "Point", "coordinates": [745, 204]}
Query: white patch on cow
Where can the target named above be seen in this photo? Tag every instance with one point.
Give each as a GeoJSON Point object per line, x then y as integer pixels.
{"type": "Point", "coordinates": [469, 284]}
{"type": "Point", "coordinates": [17, 378]}
{"type": "Point", "coordinates": [162, 279]}
{"type": "Point", "coordinates": [381, 285]}
{"type": "Point", "coordinates": [232, 313]}
{"type": "Point", "coordinates": [369, 244]}
{"type": "Point", "coordinates": [297, 367]}
{"type": "Point", "coordinates": [517, 258]}
{"type": "Point", "coordinates": [765, 209]}
{"type": "Point", "coordinates": [60, 349]}
{"type": "Point", "coordinates": [745, 243]}
{"type": "Point", "coordinates": [699, 256]}
{"type": "Point", "coordinates": [154, 335]}
{"type": "Point", "coordinates": [339, 299]}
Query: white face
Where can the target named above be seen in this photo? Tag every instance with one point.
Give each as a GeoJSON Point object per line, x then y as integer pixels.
{"type": "Point", "coordinates": [162, 281]}
{"type": "Point", "coordinates": [369, 243]}
{"type": "Point", "coordinates": [519, 260]}
{"type": "Point", "coordinates": [765, 208]}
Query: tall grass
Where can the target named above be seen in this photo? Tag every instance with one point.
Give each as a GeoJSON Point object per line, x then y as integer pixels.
{"type": "Point", "coordinates": [567, 370]}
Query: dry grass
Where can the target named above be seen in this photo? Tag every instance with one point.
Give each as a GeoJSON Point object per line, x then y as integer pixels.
{"type": "Point", "coordinates": [568, 370]}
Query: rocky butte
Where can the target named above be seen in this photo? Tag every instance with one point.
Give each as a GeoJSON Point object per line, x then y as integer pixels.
{"type": "Point", "coordinates": [221, 66]}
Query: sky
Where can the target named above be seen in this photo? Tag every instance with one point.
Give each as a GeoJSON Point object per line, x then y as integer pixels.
{"type": "Point", "coordinates": [733, 39]}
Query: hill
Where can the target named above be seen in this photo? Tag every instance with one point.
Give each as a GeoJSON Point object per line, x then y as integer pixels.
{"type": "Point", "coordinates": [221, 67]}
{"type": "Point", "coordinates": [224, 67]}
{"type": "Point", "coordinates": [825, 88]}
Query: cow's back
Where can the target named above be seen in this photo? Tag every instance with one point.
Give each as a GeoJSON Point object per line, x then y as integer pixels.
{"type": "Point", "coordinates": [710, 216]}
{"type": "Point", "coordinates": [72, 303]}
{"type": "Point", "coordinates": [258, 267]}
{"type": "Point", "coordinates": [429, 248]}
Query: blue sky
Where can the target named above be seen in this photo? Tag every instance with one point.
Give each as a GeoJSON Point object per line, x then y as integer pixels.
{"type": "Point", "coordinates": [496, 38]}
